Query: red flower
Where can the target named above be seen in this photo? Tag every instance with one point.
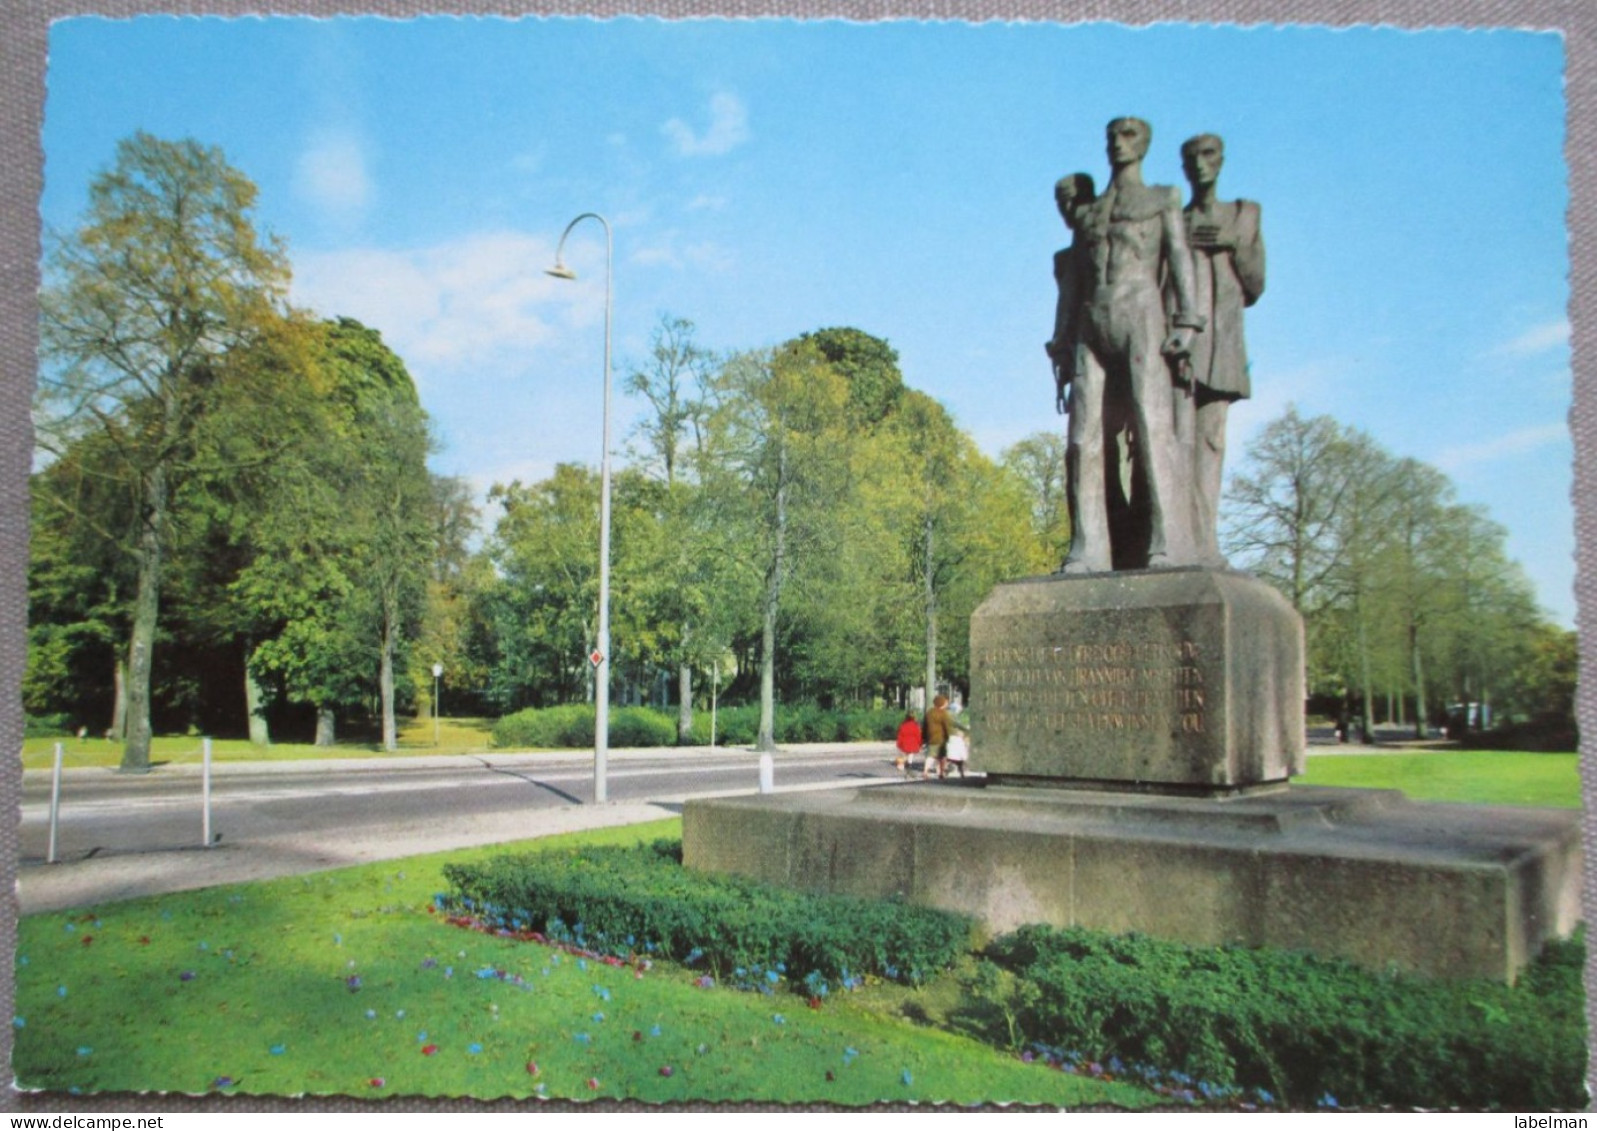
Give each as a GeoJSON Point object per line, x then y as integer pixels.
{"type": "Point", "coordinates": [667, 1070]}
{"type": "Point", "coordinates": [144, 940]}
{"type": "Point", "coordinates": [87, 939]}
{"type": "Point", "coordinates": [428, 1050]}
{"type": "Point", "coordinates": [377, 1081]}
{"type": "Point", "coordinates": [532, 1068]}
{"type": "Point", "coordinates": [593, 1083]}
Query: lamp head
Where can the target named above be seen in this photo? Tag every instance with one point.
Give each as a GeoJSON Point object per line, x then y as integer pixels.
{"type": "Point", "coordinates": [561, 271]}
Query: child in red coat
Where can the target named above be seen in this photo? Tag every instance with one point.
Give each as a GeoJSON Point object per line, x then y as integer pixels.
{"type": "Point", "coordinates": [909, 743]}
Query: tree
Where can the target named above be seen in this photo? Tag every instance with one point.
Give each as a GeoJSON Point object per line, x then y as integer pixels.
{"type": "Point", "coordinates": [388, 494]}
{"type": "Point", "coordinates": [776, 468]}
{"type": "Point", "coordinates": [674, 382]}
{"type": "Point", "coordinates": [1038, 461]}
{"type": "Point", "coordinates": [867, 364]}
{"type": "Point", "coordinates": [544, 547]}
{"type": "Point", "coordinates": [140, 306]}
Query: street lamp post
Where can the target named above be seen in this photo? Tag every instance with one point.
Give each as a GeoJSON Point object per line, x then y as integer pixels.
{"type": "Point", "coordinates": [601, 652]}
{"type": "Point", "coordinates": [438, 673]}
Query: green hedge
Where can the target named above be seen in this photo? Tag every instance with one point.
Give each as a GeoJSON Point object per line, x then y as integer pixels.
{"type": "Point", "coordinates": [642, 900]}
{"type": "Point", "coordinates": [1308, 1030]}
{"type": "Point", "coordinates": [571, 726]}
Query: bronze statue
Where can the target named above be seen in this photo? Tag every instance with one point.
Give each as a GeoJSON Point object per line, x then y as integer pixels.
{"type": "Point", "coordinates": [1228, 273]}
{"type": "Point", "coordinates": [1119, 349]}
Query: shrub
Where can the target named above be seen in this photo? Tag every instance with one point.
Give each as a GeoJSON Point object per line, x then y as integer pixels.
{"type": "Point", "coordinates": [625, 900]}
{"type": "Point", "coordinates": [1303, 1027]}
{"type": "Point", "coordinates": [47, 726]}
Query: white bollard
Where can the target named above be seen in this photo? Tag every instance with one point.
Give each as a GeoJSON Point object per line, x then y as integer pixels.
{"type": "Point", "coordinates": [55, 804]}
{"type": "Point", "coordinates": [767, 774]}
{"type": "Point", "coordinates": [205, 791]}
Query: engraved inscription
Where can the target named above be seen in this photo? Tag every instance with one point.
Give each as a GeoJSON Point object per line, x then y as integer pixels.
{"type": "Point", "coordinates": [1096, 687]}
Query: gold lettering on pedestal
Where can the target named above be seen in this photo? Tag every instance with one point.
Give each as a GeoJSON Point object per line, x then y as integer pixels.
{"type": "Point", "coordinates": [1094, 687]}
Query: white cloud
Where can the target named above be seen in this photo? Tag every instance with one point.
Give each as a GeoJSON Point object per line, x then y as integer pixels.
{"type": "Point", "coordinates": [1513, 443]}
{"type": "Point", "coordinates": [706, 203]}
{"type": "Point", "coordinates": [1538, 339]}
{"type": "Point", "coordinates": [728, 128]}
{"type": "Point", "coordinates": [481, 298]}
{"type": "Point", "coordinates": [668, 250]}
{"type": "Point", "coordinates": [331, 174]}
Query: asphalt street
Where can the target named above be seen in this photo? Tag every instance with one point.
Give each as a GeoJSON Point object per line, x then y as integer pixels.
{"type": "Point", "coordinates": [121, 836]}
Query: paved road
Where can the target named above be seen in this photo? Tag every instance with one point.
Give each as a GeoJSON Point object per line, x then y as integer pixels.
{"type": "Point", "coordinates": [122, 836]}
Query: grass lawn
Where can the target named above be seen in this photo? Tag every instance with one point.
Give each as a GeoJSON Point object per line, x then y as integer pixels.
{"type": "Point", "coordinates": [1481, 777]}
{"type": "Point", "coordinates": [455, 736]}
{"type": "Point", "coordinates": [344, 983]}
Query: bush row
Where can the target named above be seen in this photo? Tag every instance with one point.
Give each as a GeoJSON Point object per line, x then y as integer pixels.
{"type": "Point", "coordinates": [571, 726]}
{"type": "Point", "coordinates": [1311, 1031]}
{"type": "Point", "coordinates": [641, 900]}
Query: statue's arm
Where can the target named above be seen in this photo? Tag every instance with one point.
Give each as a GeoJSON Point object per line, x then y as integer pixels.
{"type": "Point", "coordinates": [1248, 257]}
{"type": "Point", "coordinates": [1178, 261]}
{"type": "Point", "coordinates": [1067, 277]}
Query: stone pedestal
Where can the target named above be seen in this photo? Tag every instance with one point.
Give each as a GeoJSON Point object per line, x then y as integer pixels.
{"type": "Point", "coordinates": [1184, 680]}
{"type": "Point", "coordinates": [1165, 711]}
{"type": "Point", "coordinates": [1366, 875]}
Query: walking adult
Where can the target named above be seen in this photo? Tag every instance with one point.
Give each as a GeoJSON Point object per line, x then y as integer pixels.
{"type": "Point", "coordinates": [940, 725]}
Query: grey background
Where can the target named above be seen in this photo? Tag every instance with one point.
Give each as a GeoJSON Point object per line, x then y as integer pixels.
{"type": "Point", "coordinates": [24, 28]}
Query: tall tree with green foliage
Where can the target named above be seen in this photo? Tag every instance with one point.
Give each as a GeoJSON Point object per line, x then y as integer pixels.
{"type": "Point", "coordinates": [1038, 461]}
{"type": "Point", "coordinates": [165, 278]}
{"type": "Point", "coordinates": [776, 467]}
{"type": "Point", "coordinates": [869, 366]}
{"type": "Point", "coordinates": [674, 382]}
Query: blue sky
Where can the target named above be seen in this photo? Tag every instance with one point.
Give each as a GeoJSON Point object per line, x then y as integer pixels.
{"type": "Point", "coordinates": [769, 177]}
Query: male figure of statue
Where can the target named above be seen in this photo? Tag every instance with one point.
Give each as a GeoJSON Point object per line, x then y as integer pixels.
{"type": "Point", "coordinates": [1228, 273]}
{"type": "Point", "coordinates": [1130, 239]}
{"type": "Point", "coordinates": [1071, 194]}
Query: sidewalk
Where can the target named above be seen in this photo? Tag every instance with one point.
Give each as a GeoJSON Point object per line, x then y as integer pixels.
{"type": "Point", "coordinates": [498, 759]}
{"type": "Point", "coordinates": [115, 877]}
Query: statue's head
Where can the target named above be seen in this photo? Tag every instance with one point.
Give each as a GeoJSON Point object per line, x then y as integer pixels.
{"type": "Point", "coordinates": [939, 701]}
{"type": "Point", "coordinates": [1072, 193]}
{"type": "Point", "coordinates": [1128, 140]}
{"type": "Point", "coordinates": [1201, 159]}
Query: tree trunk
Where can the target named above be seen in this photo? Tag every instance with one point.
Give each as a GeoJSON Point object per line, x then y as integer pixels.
{"type": "Point", "coordinates": [684, 703]}
{"type": "Point", "coordinates": [1421, 730]}
{"type": "Point", "coordinates": [767, 736]}
{"type": "Point", "coordinates": [930, 602]}
{"type": "Point", "coordinates": [119, 701]}
{"type": "Point", "coordinates": [325, 726]}
{"type": "Point", "coordinates": [146, 609]}
{"type": "Point", "coordinates": [1366, 723]}
{"type": "Point", "coordinates": [773, 595]}
{"type": "Point", "coordinates": [254, 704]}
{"type": "Point", "coordinates": [385, 680]}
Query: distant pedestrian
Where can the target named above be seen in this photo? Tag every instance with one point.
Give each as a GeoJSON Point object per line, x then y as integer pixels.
{"type": "Point", "coordinates": [940, 725]}
{"type": "Point", "coordinates": [909, 743]}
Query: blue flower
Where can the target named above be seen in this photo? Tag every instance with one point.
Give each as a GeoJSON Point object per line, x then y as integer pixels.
{"type": "Point", "coordinates": [371, 1015]}
{"type": "Point", "coordinates": [276, 1050]}
{"type": "Point", "coordinates": [583, 1038]}
{"type": "Point", "coordinates": [84, 1050]}
{"type": "Point", "coordinates": [60, 991]}
{"type": "Point", "coordinates": [598, 1017]}
{"type": "Point", "coordinates": [906, 1077]}
{"type": "Point", "coordinates": [654, 1032]}
{"type": "Point", "coordinates": [17, 1023]}
{"type": "Point", "coordinates": [474, 1048]}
